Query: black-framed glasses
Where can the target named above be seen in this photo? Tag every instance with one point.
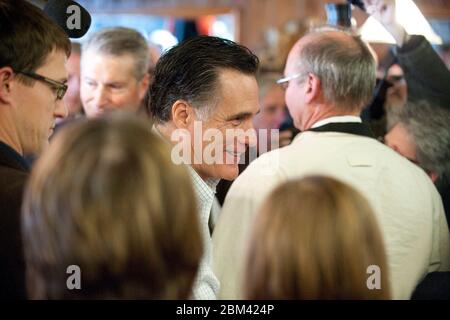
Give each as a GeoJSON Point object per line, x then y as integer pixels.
{"type": "Point", "coordinates": [284, 82]}
{"type": "Point", "coordinates": [59, 87]}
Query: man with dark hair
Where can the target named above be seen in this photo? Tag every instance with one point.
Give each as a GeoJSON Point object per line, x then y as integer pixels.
{"type": "Point", "coordinates": [329, 77]}
{"type": "Point", "coordinates": [33, 52]}
{"type": "Point", "coordinates": [206, 85]}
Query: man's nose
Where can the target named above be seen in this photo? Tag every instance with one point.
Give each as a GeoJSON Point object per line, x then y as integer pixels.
{"type": "Point", "coordinates": [61, 110]}
{"type": "Point", "coordinates": [249, 136]}
{"type": "Point", "coordinates": [101, 97]}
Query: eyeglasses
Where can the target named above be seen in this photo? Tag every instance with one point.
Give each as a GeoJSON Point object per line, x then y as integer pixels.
{"type": "Point", "coordinates": [59, 87]}
{"type": "Point", "coordinates": [284, 82]}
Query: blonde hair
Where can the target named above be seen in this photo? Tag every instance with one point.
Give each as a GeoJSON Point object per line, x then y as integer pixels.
{"type": "Point", "coordinates": [314, 239]}
{"type": "Point", "coordinates": [101, 198]}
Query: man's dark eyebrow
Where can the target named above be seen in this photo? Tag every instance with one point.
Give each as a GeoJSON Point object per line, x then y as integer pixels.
{"type": "Point", "coordinates": [241, 115]}
{"type": "Point", "coordinates": [115, 83]}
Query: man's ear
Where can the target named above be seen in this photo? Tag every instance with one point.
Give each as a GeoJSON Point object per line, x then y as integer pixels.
{"type": "Point", "coordinates": [143, 86]}
{"type": "Point", "coordinates": [313, 88]}
{"type": "Point", "coordinates": [6, 83]}
{"type": "Point", "coordinates": [183, 115]}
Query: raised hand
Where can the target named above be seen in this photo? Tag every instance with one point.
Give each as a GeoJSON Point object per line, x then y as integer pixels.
{"type": "Point", "coordinates": [384, 12]}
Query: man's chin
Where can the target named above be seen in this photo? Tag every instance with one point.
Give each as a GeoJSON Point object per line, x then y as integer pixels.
{"type": "Point", "coordinates": [218, 171]}
{"type": "Point", "coordinates": [229, 172]}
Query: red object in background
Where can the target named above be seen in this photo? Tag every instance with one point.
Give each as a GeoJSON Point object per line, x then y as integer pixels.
{"type": "Point", "coordinates": [205, 24]}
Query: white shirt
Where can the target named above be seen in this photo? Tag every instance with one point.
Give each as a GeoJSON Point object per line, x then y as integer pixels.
{"type": "Point", "coordinates": [335, 119]}
{"type": "Point", "coordinates": [206, 285]}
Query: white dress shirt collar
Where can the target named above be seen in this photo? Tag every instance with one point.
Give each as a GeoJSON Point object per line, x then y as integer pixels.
{"type": "Point", "coordinates": [336, 119]}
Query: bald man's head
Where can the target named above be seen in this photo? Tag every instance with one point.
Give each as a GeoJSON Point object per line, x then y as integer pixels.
{"type": "Point", "coordinates": [344, 64]}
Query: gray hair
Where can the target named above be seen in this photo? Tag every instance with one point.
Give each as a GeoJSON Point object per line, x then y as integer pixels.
{"type": "Point", "coordinates": [346, 67]}
{"type": "Point", "coordinates": [429, 126]}
{"type": "Point", "coordinates": [118, 42]}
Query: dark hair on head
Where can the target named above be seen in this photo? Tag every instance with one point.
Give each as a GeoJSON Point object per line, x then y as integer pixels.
{"type": "Point", "coordinates": [188, 71]}
{"type": "Point", "coordinates": [28, 36]}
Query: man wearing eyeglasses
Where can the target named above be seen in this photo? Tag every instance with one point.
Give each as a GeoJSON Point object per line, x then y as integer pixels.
{"type": "Point", "coordinates": [33, 52]}
{"type": "Point", "coordinates": [329, 78]}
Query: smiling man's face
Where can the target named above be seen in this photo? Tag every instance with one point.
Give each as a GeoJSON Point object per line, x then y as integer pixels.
{"type": "Point", "coordinates": [108, 82]}
{"type": "Point", "coordinates": [237, 103]}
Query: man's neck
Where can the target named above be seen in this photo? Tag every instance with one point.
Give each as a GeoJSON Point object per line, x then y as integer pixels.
{"type": "Point", "coordinates": [322, 112]}
{"type": "Point", "coordinates": [9, 134]}
{"type": "Point", "coordinates": [198, 169]}
{"type": "Point", "coordinates": [165, 130]}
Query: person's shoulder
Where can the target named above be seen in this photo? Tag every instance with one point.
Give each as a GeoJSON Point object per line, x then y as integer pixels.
{"type": "Point", "coordinates": [14, 176]}
{"type": "Point", "coordinates": [392, 160]}
{"type": "Point", "coordinates": [413, 177]}
{"type": "Point", "coordinates": [258, 178]}
{"type": "Point", "coordinates": [13, 179]}
{"type": "Point", "coordinates": [395, 161]}
{"type": "Point", "coordinates": [265, 163]}
{"type": "Point", "coordinates": [12, 189]}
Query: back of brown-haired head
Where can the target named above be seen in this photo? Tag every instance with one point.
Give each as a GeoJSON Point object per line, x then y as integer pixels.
{"type": "Point", "coordinates": [315, 238]}
{"type": "Point", "coordinates": [102, 198]}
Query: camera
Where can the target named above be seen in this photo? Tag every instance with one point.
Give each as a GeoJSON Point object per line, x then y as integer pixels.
{"type": "Point", "coordinates": [340, 14]}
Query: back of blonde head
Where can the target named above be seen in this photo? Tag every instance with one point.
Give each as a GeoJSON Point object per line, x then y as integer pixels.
{"type": "Point", "coordinates": [314, 239]}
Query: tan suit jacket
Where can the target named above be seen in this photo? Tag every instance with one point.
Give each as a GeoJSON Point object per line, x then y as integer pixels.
{"type": "Point", "coordinates": [408, 207]}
